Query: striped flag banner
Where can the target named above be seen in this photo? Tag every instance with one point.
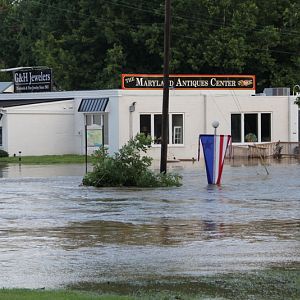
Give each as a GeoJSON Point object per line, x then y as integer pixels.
{"type": "Point", "coordinates": [214, 149]}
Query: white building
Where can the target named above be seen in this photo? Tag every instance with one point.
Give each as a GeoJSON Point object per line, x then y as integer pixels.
{"type": "Point", "coordinates": [49, 123]}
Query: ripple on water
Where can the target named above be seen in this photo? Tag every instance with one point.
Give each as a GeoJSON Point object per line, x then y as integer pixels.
{"type": "Point", "coordinates": [54, 231]}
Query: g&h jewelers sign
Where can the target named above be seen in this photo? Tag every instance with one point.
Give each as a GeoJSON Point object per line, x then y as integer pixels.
{"type": "Point", "coordinates": [189, 82]}
{"type": "Point", "coordinates": [33, 80]}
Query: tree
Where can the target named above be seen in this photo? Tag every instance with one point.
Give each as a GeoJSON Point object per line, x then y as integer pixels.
{"type": "Point", "coordinates": [8, 35]}
{"type": "Point", "coordinates": [88, 44]}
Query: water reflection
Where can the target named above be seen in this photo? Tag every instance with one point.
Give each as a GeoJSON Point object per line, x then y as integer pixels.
{"type": "Point", "coordinates": [3, 169]}
{"type": "Point", "coordinates": [166, 232]}
{"type": "Point", "coordinates": [55, 232]}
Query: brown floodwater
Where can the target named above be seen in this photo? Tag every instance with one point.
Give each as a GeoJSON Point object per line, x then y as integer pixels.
{"type": "Point", "coordinates": [56, 233]}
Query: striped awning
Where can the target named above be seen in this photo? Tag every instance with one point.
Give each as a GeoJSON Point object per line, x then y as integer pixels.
{"type": "Point", "coordinates": [93, 105]}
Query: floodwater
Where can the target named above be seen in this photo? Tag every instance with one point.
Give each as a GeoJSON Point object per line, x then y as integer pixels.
{"type": "Point", "coordinates": [56, 233]}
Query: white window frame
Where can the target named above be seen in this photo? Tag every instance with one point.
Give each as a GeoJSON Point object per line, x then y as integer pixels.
{"type": "Point", "coordinates": [177, 130]}
{"type": "Point", "coordinates": [170, 128]}
{"type": "Point", "coordinates": [102, 127]}
{"type": "Point", "coordinates": [93, 123]}
{"type": "Point", "coordinates": [258, 124]}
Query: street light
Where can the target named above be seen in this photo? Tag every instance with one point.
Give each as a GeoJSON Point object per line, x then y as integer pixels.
{"type": "Point", "coordinates": [296, 86]}
{"type": "Point", "coordinates": [215, 125]}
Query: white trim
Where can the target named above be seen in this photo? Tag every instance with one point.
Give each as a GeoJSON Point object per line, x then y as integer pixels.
{"type": "Point", "coordinates": [152, 114]}
{"type": "Point", "coordinates": [258, 125]}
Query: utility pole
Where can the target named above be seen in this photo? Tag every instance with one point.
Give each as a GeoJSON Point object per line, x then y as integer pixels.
{"type": "Point", "coordinates": [165, 105]}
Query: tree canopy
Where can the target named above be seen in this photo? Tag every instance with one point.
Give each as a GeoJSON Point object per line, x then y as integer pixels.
{"type": "Point", "coordinates": [88, 44]}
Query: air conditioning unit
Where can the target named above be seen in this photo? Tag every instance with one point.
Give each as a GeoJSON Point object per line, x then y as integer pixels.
{"type": "Point", "coordinates": [277, 91]}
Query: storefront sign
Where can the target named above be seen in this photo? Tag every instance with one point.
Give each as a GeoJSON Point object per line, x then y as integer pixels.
{"type": "Point", "coordinates": [30, 81]}
{"type": "Point", "coordinates": [189, 82]}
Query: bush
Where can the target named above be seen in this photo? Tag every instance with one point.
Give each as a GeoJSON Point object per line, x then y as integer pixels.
{"type": "Point", "coordinates": [128, 167]}
{"type": "Point", "coordinates": [250, 137]}
{"type": "Point", "coordinates": [3, 153]}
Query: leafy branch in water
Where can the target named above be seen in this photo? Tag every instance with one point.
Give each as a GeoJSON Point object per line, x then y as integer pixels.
{"type": "Point", "coordinates": [128, 167]}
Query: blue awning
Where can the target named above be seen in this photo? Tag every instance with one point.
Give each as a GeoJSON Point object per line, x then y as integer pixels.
{"type": "Point", "coordinates": [93, 105]}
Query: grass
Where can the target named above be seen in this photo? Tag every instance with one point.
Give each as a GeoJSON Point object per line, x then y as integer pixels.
{"type": "Point", "coordinates": [24, 294]}
{"type": "Point", "coordinates": [276, 284]}
{"type": "Point", "coordinates": [46, 159]}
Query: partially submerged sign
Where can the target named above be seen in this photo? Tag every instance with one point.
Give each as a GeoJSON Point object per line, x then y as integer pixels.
{"type": "Point", "coordinates": [214, 149]}
{"type": "Point", "coordinates": [33, 80]}
{"type": "Point", "coordinates": [189, 82]}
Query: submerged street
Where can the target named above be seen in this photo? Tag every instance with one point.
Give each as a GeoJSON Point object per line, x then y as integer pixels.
{"type": "Point", "coordinates": [56, 233]}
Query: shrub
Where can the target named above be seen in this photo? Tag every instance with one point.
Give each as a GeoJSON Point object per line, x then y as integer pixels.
{"type": "Point", "coordinates": [250, 137]}
{"type": "Point", "coordinates": [128, 167]}
{"type": "Point", "coordinates": [3, 153]}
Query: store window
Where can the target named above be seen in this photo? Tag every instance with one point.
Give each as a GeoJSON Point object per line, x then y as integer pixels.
{"type": "Point", "coordinates": [97, 121]}
{"type": "Point", "coordinates": [177, 129]}
{"type": "Point", "coordinates": [93, 119]}
{"type": "Point", "coordinates": [266, 127]}
{"type": "Point", "coordinates": [236, 128]}
{"type": "Point", "coordinates": [157, 129]}
{"type": "Point", "coordinates": [251, 127]}
{"type": "Point", "coordinates": [145, 124]}
{"type": "Point", "coordinates": [151, 124]}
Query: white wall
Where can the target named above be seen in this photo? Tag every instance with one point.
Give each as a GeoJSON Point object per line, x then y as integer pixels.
{"type": "Point", "coordinates": [220, 107]}
{"type": "Point", "coordinates": [188, 103]}
{"type": "Point", "coordinates": [58, 127]}
{"type": "Point", "coordinates": [200, 109]}
{"type": "Point", "coordinates": [41, 129]}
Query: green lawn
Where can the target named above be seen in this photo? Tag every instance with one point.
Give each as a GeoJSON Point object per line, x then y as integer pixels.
{"type": "Point", "coordinates": [276, 284]}
{"type": "Point", "coordinates": [46, 159]}
{"type": "Point", "coordinates": [21, 294]}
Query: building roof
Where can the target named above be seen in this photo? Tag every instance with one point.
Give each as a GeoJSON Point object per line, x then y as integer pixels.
{"type": "Point", "coordinates": [4, 85]}
{"type": "Point", "coordinates": [18, 102]}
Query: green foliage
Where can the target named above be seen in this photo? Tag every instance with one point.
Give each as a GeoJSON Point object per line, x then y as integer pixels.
{"type": "Point", "coordinates": [89, 44]}
{"type": "Point", "coordinates": [128, 167]}
{"type": "Point", "coordinates": [297, 101]}
{"type": "Point", "coordinates": [3, 153]}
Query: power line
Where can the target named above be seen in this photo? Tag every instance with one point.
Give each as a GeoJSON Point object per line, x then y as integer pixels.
{"type": "Point", "coordinates": [160, 13]}
{"type": "Point", "coordinates": [221, 23]}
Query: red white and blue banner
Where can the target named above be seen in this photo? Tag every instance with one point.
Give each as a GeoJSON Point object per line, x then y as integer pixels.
{"type": "Point", "coordinates": [214, 149]}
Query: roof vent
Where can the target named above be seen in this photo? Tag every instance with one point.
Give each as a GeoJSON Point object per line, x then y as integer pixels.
{"type": "Point", "coordinates": [277, 91]}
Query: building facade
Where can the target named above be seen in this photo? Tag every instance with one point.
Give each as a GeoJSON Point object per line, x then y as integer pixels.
{"type": "Point", "coordinates": [73, 122]}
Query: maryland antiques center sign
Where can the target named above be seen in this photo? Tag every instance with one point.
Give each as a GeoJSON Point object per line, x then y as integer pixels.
{"type": "Point", "coordinates": [33, 80]}
{"type": "Point", "coordinates": [189, 82]}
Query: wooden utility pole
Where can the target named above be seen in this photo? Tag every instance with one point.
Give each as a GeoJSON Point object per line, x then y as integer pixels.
{"type": "Point", "coordinates": [165, 106]}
